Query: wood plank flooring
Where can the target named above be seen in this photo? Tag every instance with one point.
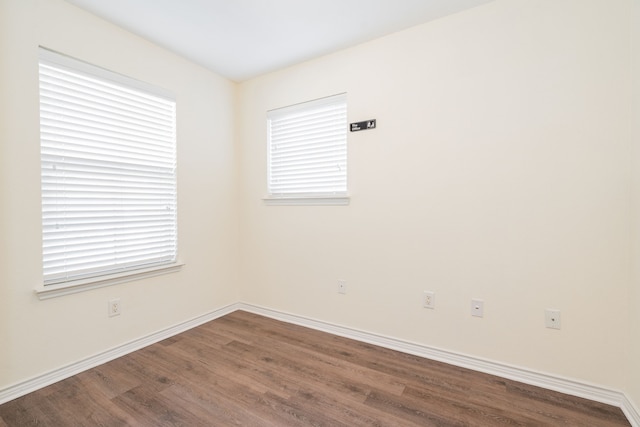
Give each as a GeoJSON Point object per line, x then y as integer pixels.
{"type": "Point", "coordinates": [248, 370]}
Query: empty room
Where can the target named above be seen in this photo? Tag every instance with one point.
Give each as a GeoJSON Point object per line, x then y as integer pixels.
{"type": "Point", "coordinates": [330, 213]}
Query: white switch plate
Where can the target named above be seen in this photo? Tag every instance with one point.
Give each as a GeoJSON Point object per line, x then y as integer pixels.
{"type": "Point", "coordinates": [477, 308]}
{"type": "Point", "coordinates": [342, 286]}
{"type": "Point", "coordinates": [552, 318]}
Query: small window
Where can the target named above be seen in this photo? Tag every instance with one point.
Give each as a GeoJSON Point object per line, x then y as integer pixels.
{"type": "Point", "coordinates": [307, 151]}
{"type": "Point", "coordinates": [108, 172]}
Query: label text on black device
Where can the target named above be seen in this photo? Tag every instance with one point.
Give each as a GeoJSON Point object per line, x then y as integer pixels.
{"type": "Point", "coordinates": [366, 125]}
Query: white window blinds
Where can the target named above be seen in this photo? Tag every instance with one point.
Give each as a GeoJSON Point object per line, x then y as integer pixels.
{"type": "Point", "coordinates": [308, 149]}
{"type": "Point", "coordinates": [108, 172]}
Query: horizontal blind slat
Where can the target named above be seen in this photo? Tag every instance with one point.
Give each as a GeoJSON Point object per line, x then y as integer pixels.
{"type": "Point", "coordinates": [307, 148]}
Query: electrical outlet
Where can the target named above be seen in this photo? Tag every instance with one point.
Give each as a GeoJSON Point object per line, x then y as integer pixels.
{"type": "Point", "coordinates": [429, 299]}
{"type": "Point", "coordinates": [342, 286]}
{"type": "Point", "coordinates": [552, 318]}
{"type": "Point", "coordinates": [114, 306]}
{"type": "Point", "coordinates": [477, 308]}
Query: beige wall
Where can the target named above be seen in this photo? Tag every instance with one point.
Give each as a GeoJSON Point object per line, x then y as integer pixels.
{"type": "Point", "coordinates": [634, 300]}
{"type": "Point", "coordinates": [499, 170]}
{"type": "Point", "coordinates": [38, 336]}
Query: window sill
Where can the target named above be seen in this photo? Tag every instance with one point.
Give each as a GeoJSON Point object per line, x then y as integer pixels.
{"type": "Point", "coordinates": [75, 286]}
{"type": "Point", "coordinates": [335, 200]}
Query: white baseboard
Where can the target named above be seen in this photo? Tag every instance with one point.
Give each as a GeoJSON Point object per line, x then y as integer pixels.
{"type": "Point", "coordinates": [631, 411]}
{"type": "Point", "coordinates": [40, 381]}
{"type": "Point", "coordinates": [527, 376]}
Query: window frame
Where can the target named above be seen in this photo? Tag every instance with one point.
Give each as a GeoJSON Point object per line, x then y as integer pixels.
{"type": "Point", "coordinates": [116, 273]}
{"type": "Point", "coordinates": [319, 198]}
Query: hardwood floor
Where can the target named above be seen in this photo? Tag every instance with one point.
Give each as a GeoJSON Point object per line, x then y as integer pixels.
{"type": "Point", "coordinates": [248, 370]}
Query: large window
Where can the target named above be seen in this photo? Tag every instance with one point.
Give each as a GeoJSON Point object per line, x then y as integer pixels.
{"type": "Point", "coordinates": [108, 172]}
{"type": "Point", "coordinates": [307, 153]}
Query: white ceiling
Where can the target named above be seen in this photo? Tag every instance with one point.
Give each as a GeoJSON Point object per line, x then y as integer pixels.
{"type": "Point", "coordinates": [241, 39]}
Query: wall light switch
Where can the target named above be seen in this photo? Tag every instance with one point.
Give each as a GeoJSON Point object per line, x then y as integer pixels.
{"type": "Point", "coordinates": [477, 308]}
{"type": "Point", "coordinates": [342, 286]}
{"type": "Point", "coordinates": [552, 318]}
